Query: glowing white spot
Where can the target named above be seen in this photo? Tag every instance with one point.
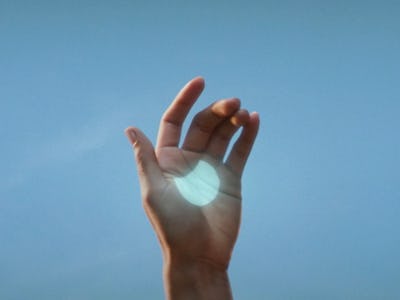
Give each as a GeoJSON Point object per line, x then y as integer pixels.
{"type": "Point", "coordinates": [200, 186]}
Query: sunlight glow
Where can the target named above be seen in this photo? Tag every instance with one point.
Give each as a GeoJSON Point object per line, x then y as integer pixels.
{"type": "Point", "coordinates": [200, 186]}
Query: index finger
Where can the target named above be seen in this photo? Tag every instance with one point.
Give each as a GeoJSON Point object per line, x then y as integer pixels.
{"type": "Point", "coordinates": [170, 129]}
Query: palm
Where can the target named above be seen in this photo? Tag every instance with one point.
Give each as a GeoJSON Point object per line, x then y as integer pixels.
{"type": "Point", "coordinates": [207, 232]}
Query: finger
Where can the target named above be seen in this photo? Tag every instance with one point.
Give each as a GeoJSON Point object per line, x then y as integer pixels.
{"type": "Point", "coordinates": [241, 149]}
{"type": "Point", "coordinates": [222, 135]}
{"type": "Point", "coordinates": [150, 174]}
{"type": "Point", "coordinates": [206, 121]}
{"type": "Point", "coordinates": [172, 120]}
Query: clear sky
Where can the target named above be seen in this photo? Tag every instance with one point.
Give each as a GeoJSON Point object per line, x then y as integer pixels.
{"type": "Point", "coordinates": [321, 190]}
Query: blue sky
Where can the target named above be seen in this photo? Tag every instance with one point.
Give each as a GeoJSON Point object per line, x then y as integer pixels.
{"type": "Point", "coordinates": [321, 189]}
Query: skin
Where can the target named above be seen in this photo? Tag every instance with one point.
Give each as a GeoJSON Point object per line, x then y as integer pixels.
{"type": "Point", "coordinates": [196, 242]}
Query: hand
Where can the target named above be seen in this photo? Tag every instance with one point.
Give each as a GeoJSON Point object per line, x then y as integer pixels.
{"type": "Point", "coordinates": [192, 235]}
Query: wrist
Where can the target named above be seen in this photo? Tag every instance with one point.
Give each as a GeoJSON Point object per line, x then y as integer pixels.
{"type": "Point", "coordinates": [188, 278]}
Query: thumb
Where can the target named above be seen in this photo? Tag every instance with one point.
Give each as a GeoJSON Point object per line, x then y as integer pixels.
{"type": "Point", "coordinates": [149, 172]}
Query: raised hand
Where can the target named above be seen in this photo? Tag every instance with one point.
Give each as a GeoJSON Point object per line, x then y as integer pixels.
{"type": "Point", "coordinates": [195, 237]}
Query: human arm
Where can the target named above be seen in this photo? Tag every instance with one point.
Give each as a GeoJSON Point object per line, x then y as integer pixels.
{"type": "Point", "coordinates": [196, 240]}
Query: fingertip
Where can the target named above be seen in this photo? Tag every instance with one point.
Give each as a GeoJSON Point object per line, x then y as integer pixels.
{"type": "Point", "coordinates": [240, 118]}
{"type": "Point", "coordinates": [129, 128]}
{"type": "Point", "coordinates": [199, 79]}
{"type": "Point", "coordinates": [226, 107]}
{"type": "Point", "coordinates": [237, 101]}
{"type": "Point", "coordinates": [197, 82]}
{"type": "Point", "coordinates": [255, 118]}
{"type": "Point", "coordinates": [255, 114]}
{"type": "Point", "coordinates": [131, 134]}
{"type": "Point", "coordinates": [191, 91]}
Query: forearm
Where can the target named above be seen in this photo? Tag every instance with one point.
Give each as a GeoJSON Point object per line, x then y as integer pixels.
{"type": "Point", "coordinates": [188, 280]}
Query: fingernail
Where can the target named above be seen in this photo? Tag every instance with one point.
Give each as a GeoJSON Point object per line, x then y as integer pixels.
{"type": "Point", "coordinates": [131, 136]}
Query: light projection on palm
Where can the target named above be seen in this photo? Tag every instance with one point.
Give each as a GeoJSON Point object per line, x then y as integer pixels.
{"type": "Point", "coordinates": [200, 186]}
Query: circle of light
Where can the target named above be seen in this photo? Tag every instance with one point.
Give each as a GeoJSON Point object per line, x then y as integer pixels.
{"type": "Point", "coordinates": [200, 186]}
